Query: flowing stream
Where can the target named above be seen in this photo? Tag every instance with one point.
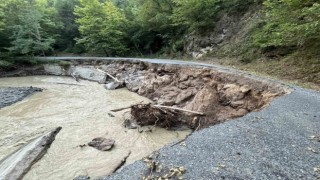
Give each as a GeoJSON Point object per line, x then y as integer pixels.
{"type": "Point", "coordinates": [82, 110]}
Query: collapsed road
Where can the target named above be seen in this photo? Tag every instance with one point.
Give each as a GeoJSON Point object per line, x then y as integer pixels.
{"type": "Point", "coordinates": [276, 142]}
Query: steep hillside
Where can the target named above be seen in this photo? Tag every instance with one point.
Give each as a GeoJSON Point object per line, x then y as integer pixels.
{"type": "Point", "coordinates": [233, 42]}
{"type": "Point", "coordinates": [228, 37]}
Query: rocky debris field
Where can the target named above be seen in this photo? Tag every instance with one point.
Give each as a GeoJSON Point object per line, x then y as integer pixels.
{"type": "Point", "coordinates": [10, 95]}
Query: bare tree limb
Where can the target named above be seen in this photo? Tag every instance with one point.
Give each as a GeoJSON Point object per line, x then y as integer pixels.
{"type": "Point", "coordinates": [114, 78]}
{"type": "Point", "coordinates": [163, 107]}
{"type": "Point", "coordinates": [179, 109]}
{"type": "Point", "coordinates": [121, 109]}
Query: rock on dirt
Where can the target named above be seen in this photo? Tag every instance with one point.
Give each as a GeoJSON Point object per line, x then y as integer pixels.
{"type": "Point", "coordinates": [112, 85]}
{"type": "Point", "coordinates": [102, 144]}
{"type": "Point", "coordinates": [11, 95]}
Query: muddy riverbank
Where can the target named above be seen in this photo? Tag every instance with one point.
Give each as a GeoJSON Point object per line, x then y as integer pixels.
{"type": "Point", "coordinates": [83, 112]}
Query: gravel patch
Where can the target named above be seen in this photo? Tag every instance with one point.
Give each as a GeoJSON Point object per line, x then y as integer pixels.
{"type": "Point", "coordinates": [11, 95]}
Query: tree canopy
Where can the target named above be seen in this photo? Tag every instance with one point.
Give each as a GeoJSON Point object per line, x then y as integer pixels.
{"type": "Point", "coordinates": [101, 26]}
{"type": "Point", "coordinates": [290, 23]}
{"type": "Point", "coordinates": [137, 27]}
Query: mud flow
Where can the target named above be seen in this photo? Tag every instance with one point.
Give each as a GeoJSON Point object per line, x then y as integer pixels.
{"type": "Point", "coordinates": [167, 101]}
{"type": "Point", "coordinates": [82, 109]}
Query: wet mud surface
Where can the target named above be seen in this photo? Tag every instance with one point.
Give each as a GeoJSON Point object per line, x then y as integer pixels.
{"type": "Point", "coordinates": [83, 112]}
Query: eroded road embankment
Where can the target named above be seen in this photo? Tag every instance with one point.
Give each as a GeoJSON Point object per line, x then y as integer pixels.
{"type": "Point", "coordinates": [256, 145]}
{"type": "Point", "coordinates": [218, 94]}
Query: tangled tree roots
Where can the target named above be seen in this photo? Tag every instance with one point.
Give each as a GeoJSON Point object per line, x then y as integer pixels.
{"type": "Point", "coordinates": [146, 115]}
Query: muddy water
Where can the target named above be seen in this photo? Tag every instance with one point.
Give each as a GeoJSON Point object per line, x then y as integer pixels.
{"type": "Point", "coordinates": [82, 111]}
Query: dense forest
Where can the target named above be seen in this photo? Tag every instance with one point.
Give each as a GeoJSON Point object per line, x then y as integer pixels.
{"type": "Point", "coordinates": [158, 27]}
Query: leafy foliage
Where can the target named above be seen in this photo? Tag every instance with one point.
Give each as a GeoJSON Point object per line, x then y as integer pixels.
{"type": "Point", "coordinates": [154, 27]}
{"type": "Point", "coordinates": [290, 23]}
{"type": "Point", "coordinates": [101, 26]}
{"type": "Point", "coordinates": [139, 27]}
{"type": "Point", "coordinates": [28, 36]}
{"type": "Point", "coordinates": [69, 28]}
{"type": "Point", "coordinates": [196, 14]}
{"type": "Point", "coordinates": [2, 23]}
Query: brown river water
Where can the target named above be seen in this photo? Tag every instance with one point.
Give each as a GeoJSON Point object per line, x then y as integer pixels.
{"type": "Point", "coordinates": [82, 112]}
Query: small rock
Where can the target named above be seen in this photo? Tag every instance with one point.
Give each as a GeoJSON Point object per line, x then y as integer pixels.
{"type": "Point", "coordinates": [82, 145]}
{"type": "Point", "coordinates": [236, 104]}
{"type": "Point", "coordinates": [129, 124]}
{"type": "Point", "coordinates": [111, 115]}
{"type": "Point", "coordinates": [312, 150]}
{"type": "Point", "coordinates": [112, 86]}
{"type": "Point", "coordinates": [102, 144]}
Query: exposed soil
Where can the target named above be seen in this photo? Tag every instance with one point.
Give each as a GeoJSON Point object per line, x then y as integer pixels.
{"type": "Point", "coordinates": [220, 96]}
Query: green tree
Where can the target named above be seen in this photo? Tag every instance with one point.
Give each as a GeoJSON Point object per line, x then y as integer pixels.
{"type": "Point", "coordinates": [28, 36]}
{"type": "Point", "coordinates": [2, 23]}
{"type": "Point", "coordinates": [70, 29]}
{"type": "Point", "coordinates": [196, 14]}
{"type": "Point", "coordinates": [290, 23]}
{"type": "Point", "coordinates": [101, 25]}
{"type": "Point", "coordinates": [152, 28]}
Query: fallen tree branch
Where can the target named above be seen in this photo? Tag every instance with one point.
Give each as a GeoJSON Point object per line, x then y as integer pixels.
{"type": "Point", "coordinates": [163, 107]}
{"type": "Point", "coordinates": [70, 84]}
{"type": "Point", "coordinates": [121, 109]}
{"type": "Point", "coordinates": [179, 109]}
{"type": "Point", "coordinates": [128, 107]}
{"type": "Point", "coordinates": [114, 78]}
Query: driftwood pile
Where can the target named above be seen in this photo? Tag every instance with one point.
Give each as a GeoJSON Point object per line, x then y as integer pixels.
{"type": "Point", "coordinates": [146, 115]}
{"type": "Point", "coordinates": [157, 115]}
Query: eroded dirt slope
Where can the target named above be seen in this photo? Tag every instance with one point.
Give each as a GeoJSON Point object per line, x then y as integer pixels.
{"type": "Point", "coordinates": [220, 96]}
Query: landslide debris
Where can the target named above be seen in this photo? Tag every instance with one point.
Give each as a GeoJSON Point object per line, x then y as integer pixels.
{"type": "Point", "coordinates": [220, 96]}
